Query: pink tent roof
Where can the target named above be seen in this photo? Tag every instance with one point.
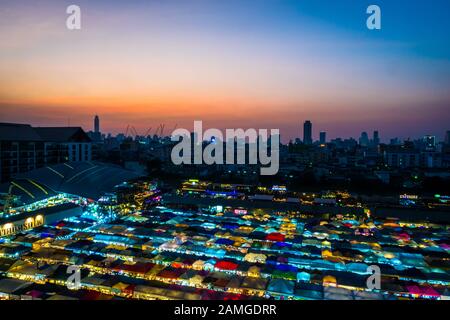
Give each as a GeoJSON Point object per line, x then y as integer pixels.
{"type": "Point", "coordinates": [429, 291]}
{"type": "Point", "coordinates": [423, 291]}
{"type": "Point", "coordinates": [404, 236]}
{"type": "Point", "coordinates": [34, 293]}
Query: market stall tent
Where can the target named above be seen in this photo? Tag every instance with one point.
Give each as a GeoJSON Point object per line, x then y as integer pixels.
{"type": "Point", "coordinates": [281, 287]}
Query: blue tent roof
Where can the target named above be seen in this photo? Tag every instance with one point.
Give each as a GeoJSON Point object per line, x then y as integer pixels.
{"type": "Point", "coordinates": [230, 226]}
{"type": "Point", "coordinates": [283, 244]}
{"type": "Point", "coordinates": [281, 286]}
{"type": "Point", "coordinates": [224, 241]}
{"type": "Point", "coordinates": [286, 267]}
{"type": "Point", "coordinates": [303, 276]}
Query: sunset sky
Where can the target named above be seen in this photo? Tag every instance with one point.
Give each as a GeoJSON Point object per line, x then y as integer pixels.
{"type": "Point", "coordinates": [247, 63]}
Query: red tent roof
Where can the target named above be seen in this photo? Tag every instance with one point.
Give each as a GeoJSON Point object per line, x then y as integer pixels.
{"type": "Point", "coordinates": [91, 295]}
{"type": "Point", "coordinates": [168, 274]}
{"type": "Point", "coordinates": [141, 268]}
{"type": "Point", "coordinates": [233, 296]}
{"type": "Point", "coordinates": [60, 224]}
{"type": "Point", "coordinates": [275, 236]}
{"type": "Point", "coordinates": [129, 289]}
{"type": "Point", "coordinates": [226, 265]}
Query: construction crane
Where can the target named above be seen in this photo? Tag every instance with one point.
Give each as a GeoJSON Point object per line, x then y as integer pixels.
{"type": "Point", "coordinates": [157, 130]}
{"type": "Point", "coordinates": [147, 133]}
{"type": "Point", "coordinates": [134, 131]}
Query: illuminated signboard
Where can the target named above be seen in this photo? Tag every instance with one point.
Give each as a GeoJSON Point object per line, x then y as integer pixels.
{"type": "Point", "coordinates": [442, 198]}
{"type": "Point", "coordinates": [408, 199]}
{"type": "Point", "coordinates": [409, 196]}
{"type": "Point", "coordinates": [240, 211]}
{"type": "Point", "coordinates": [279, 188]}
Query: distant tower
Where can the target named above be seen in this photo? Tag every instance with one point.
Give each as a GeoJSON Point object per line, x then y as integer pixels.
{"type": "Point", "coordinates": [323, 137]}
{"type": "Point", "coordinates": [307, 132]}
{"type": "Point", "coordinates": [364, 139]}
{"type": "Point", "coordinates": [96, 124]}
{"type": "Point", "coordinates": [376, 138]}
{"type": "Point", "coordinates": [429, 141]}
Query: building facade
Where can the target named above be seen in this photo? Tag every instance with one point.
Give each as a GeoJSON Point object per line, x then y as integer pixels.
{"type": "Point", "coordinates": [65, 144]}
{"type": "Point", "coordinates": [21, 150]}
{"type": "Point", "coordinates": [24, 148]}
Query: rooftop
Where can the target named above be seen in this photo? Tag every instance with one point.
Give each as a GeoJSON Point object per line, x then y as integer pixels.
{"type": "Point", "coordinates": [18, 132]}
{"type": "Point", "coordinates": [87, 179]}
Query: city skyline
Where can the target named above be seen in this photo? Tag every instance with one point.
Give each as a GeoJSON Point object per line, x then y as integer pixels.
{"type": "Point", "coordinates": [145, 63]}
{"type": "Point", "coordinates": [311, 137]}
{"type": "Point", "coordinates": [317, 136]}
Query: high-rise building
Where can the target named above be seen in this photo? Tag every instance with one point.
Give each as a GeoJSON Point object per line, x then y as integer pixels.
{"type": "Point", "coordinates": [429, 141]}
{"type": "Point", "coordinates": [447, 137]}
{"type": "Point", "coordinates": [364, 139]}
{"type": "Point", "coordinates": [323, 137]}
{"type": "Point", "coordinates": [96, 124]}
{"type": "Point", "coordinates": [96, 136]}
{"type": "Point", "coordinates": [395, 141]}
{"type": "Point", "coordinates": [307, 132]}
{"type": "Point", "coordinates": [376, 138]}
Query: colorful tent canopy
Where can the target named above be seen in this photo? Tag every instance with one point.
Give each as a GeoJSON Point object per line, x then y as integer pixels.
{"type": "Point", "coordinates": [275, 236]}
{"type": "Point", "coordinates": [226, 265]}
{"type": "Point", "coordinates": [303, 276]}
{"type": "Point", "coordinates": [281, 286]}
{"type": "Point", "coordinates": [224, 241]}
{"type": "Point", "coordinates": [422, 291]}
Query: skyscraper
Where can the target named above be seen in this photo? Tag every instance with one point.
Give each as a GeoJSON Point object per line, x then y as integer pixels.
{"type": "Point", "coordinates": [376, 138]}
{"type": "Point", "coordinates": [364, 139]}
{"type": "Point", "coordinates": [96, 124]}
{"type": "Point", "coordinates": [429, 141]}
{"type": "Point", "coordinates": [307, 132]}
{"type": "Point", "coordinates": [323, 137]}
{"type": "Point", "coordinates": [447, 137]}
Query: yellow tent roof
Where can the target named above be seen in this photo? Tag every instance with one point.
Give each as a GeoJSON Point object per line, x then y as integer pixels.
{"type": "Point", "coordinates": [329, 279]}
{"type": "Point", "coordinates": [120, 286]}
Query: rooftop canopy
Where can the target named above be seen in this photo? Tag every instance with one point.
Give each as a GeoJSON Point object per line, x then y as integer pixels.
{"type": "Point", "coordinates": [87, 179]}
